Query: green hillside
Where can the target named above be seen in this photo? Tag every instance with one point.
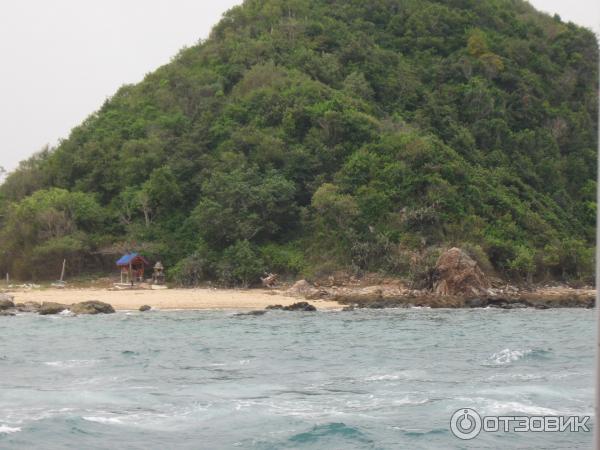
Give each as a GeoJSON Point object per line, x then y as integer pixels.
{"type": "Point", "coordinates": [306, 136]}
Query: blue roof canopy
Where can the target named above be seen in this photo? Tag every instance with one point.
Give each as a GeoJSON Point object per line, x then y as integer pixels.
{"type": "Point", "coordinates": [131, 258]}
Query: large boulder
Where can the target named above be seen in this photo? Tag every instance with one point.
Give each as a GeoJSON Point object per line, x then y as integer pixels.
{"type": "Point", "coordinates": [92, 307]}
{"type": "Point", "coordinates": [48, 308]}
{"type": "Point", "coordinates": [457, 274]}
{"type": "Point", "coordinates": [145, 308]}
{"type": "Point", "coordinates": [6, 302]}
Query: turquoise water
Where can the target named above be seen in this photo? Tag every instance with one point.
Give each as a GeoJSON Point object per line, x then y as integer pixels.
{"type": "Point", "coordinates": [329, 380]}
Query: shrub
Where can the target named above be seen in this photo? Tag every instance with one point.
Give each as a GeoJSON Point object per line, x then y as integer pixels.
{"type": "Point", "coordinates": [240, 265]}
{"type": "Point", "coordinates": [283, 259]}
{"type": "Point", "coordinates": [195, 269]}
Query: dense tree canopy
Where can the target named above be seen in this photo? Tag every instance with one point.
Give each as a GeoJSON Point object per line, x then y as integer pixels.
{"type": "Point", "coordinates": [313, 135]}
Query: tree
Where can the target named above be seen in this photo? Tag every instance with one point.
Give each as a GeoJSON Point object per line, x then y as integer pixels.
{"type": "Point", "coordinates": [241, 265]}
{"type": "Point", "coordinates": [524, 263]}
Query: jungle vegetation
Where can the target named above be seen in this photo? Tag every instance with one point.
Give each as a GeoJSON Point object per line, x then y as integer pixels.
{"type": "Point", "coordinates": [308, 136]}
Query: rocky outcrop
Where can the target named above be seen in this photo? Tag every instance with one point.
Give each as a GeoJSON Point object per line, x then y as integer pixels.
{"type": "Point", "coordinates": [92, 307]}
{"type": "Point", "coordinates": [145, 308]}
{"type": "Point", "coordinates": [300, 306]}
{"type": "Point", "coordinates": [457, 274]}
{"type": "Point", "coordinates": [49, 308]}
{"type": "Point", "coordinates": [6, 313]}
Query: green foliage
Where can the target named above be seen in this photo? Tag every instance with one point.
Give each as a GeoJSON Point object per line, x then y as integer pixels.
{"type": "Point", "coordinates": [524, 263]}
{"type": "Point", "coordinates": [286, 259]}
{"type": "Point", "coordinates": [241, 265]}
{"type": "Point", "coordinates": [195, 269]}
{"type": "Point", "coordinates": [306, 136]}
{"type": "Point", "coordinates": [41, 230]}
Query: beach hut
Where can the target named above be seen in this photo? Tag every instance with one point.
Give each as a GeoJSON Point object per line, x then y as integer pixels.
{"type": "Point", "coordinates": [132, 267]}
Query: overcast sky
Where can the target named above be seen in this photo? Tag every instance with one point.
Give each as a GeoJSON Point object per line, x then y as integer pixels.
{"type": "Point", "coordinates": [62, 58]}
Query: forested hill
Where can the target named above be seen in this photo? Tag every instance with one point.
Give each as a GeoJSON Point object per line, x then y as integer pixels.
{"type": "Point", "coordinates": [306, 136]}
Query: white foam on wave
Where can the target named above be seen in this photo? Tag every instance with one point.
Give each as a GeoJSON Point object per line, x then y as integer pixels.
{"type": "Point", "coordinates": [517, 377]}
{"type": "Point", "coordinates": [403, 375]}
{"type": "Point", "coordinates": [167, 419]}
{"type": "Point", "coordinates": [5, 429]}
{"type": "Point", "coordinates": [508, 356]}
{"type": "Point", "coordinates": [516, 407]}
{"type": "Point", "coordinates": [71, 363]}
{"type": "Point", "coordinates": [488, 406]}
{"type": "Point", "coordinates": [383, 378]}
{"type": "Point", "coordinates": [407, 401]}
{"type": "Point", "coordinates": [105, 420]}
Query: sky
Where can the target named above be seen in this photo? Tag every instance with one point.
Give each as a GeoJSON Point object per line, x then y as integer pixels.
{"type": "Point", "coordinates": [61, 59]}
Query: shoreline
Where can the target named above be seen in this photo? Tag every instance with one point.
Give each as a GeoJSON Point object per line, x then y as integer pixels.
{"type": "Point", "coordinates": [373, 297]}
{"type": "Point", "coordinates": [167, 299]}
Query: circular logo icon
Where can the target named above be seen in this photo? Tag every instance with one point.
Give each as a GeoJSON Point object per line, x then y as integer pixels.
{"type": "Point", "coordinates": [465, 424]}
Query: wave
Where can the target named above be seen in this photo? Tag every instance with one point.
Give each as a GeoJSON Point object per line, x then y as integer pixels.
{"type": "Point", "coordinates": [508, 356]}
{"type": "Point", "coordinates": [72, 363]}
{"type": "Point", "coordinates": [498, 407]}
{"type": "Point", "coordinates": [489, 406]}
{"type": "Point", "coordinates": [329, 431]}
{"type": "Point", "coordinates": [403, 375]}
{"type": "Point", "coordinates": [407, 401]}
{"type": "Point", "coordinates": [4, 429]}
{"type": "Point", "coordinates": [104, 420]}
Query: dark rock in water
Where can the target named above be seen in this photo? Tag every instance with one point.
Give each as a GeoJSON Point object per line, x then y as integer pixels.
{"type": "Point", "coordinates": [476, 303]}
{"type": "Point", "coordinates": [497, 303]}
{"type": "Point", "coordinates": [28, 307]}
{"type": "Point", "coordinates": [145, 308]}
{"type": "Point", "coordinates": [252, 313]}
{"type": "Point", "coordinates": [274, 307]}
{"type": "Point", "coordinates": [6, 302]}
{"type": "Point", "coordinates": [542, 306]}
{"type": "Point", "coordinates": [48, 308]}
{"type": "Point", "coordinates": [92, 307]}
{"type": "Point", "coordinates": [378, 305]}
{"type": "Point", "coordinates": [348, 308]}
{"type": "Point", "coordinates": [6, 313]}
{"type": "Point", "coordinates": [300, 306]}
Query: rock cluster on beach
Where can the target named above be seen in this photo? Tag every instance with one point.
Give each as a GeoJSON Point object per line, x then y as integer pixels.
{"type": "Point", "coordinates": [91, 307]}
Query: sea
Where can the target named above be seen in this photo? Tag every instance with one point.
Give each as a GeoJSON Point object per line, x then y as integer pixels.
{"type": "Point", "coordinates": [366, 379]}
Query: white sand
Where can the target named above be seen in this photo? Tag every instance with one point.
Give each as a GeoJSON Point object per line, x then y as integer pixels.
{"type": "Point", "coordinates": [167, 299]}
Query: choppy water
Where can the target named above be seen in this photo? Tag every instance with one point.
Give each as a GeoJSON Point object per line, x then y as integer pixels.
{"type": "Point", "coordinates": [331, 380]}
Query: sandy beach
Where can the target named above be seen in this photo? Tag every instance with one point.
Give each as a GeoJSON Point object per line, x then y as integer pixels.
{"type": "Point", "coordinates": [167, 299]}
